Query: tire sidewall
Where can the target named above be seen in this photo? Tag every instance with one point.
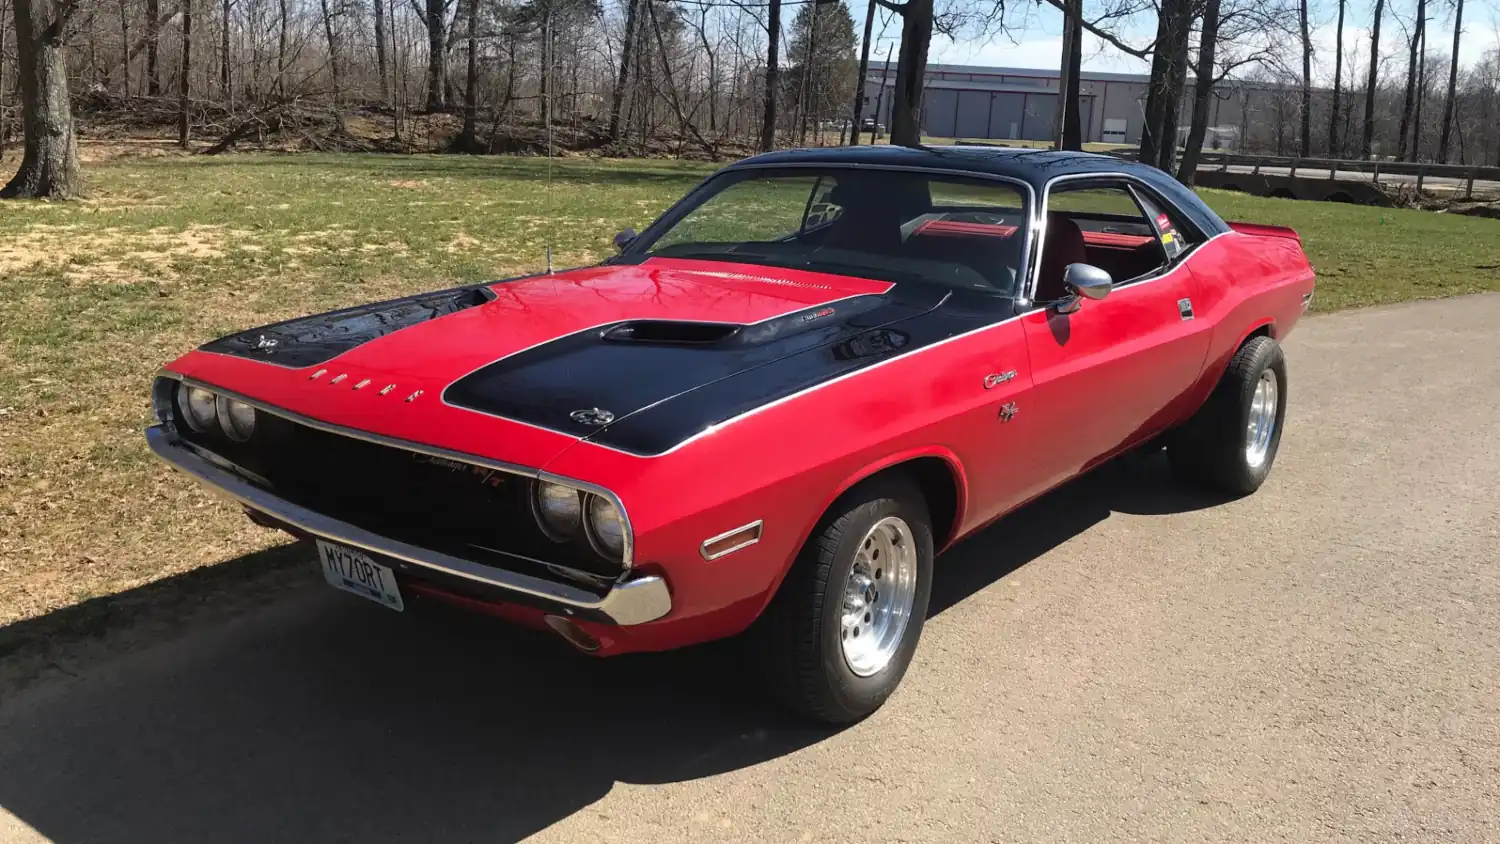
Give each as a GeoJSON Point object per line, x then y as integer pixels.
{"type": "Point", "coordinates": [856, 694]}
{"type": "Point", "coordinates": [1266, 356]}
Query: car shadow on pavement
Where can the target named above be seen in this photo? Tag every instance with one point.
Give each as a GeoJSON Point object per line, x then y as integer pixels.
{"type": "Point", "coordinates": [316, 717]}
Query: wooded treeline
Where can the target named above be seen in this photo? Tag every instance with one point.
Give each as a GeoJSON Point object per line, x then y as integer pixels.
{"type": "Point", "coordinates": [695, 74]}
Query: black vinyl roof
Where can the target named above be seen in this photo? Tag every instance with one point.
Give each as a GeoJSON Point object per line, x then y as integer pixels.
{"type": "Point", "coordinates": [1033, 166]}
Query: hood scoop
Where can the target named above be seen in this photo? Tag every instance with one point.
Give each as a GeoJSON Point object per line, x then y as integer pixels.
{"type": "Point", "coordinates": [671, 332]}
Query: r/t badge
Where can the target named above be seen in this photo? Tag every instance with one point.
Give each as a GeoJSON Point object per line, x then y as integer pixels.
{"type": "Point", "coordinates": [1007, 411]}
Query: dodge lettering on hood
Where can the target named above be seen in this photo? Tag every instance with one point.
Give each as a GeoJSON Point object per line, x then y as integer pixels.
{"type": "Point", "coordinates": [769, 412]}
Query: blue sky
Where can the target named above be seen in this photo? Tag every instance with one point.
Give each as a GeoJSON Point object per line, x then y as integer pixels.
{"type": "Point", "coordinates": [1039, 43]}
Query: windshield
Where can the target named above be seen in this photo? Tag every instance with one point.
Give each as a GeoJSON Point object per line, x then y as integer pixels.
{"type": "Point", "coordinates": [884, 224]}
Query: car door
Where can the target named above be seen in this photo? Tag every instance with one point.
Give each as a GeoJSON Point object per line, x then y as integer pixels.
{"type": "Point", "coordinates": [1105, 375]}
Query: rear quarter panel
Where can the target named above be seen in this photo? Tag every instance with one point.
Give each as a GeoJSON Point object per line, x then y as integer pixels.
{"type": "Point", "coordinates": [1246, 283]}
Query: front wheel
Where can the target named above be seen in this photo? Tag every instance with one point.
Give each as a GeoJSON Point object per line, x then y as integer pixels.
{"type": "Point", "coordinates": [840, 633]}
{"type": "Point", "coordinates": [1231, 442]}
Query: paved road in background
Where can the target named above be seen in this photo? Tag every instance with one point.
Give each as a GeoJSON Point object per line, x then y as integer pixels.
{"type": "Point", "coordinates": [1433, 184]}
{"type": "Point", "coordinates": [1121, 661]}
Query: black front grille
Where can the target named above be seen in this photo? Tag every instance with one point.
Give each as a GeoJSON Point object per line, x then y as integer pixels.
{"type": "Point", "coordinates": [468, 511]}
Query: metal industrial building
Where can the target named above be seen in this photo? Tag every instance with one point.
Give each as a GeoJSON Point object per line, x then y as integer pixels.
{"type": "Point", "coordinates": [962, 101]}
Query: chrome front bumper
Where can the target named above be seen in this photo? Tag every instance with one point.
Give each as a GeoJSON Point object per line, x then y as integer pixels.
{"type": "Point", "coordinates": [634, 601]}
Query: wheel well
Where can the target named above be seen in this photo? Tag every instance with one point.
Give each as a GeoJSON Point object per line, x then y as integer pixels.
{"type": "Point", "coordinates": [1263, 331]}
{"type": "Point", "coordinates": [939, 486]}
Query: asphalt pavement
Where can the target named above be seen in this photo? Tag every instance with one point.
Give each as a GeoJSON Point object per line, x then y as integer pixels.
{"type": "Point", "coordinates": [1123, 660]}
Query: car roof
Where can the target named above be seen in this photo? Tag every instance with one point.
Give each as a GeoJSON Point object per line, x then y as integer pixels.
{"type": "Point", "coordinates": [1036, 167]}
{"type": "Point", "coordinates": [1029, 165]}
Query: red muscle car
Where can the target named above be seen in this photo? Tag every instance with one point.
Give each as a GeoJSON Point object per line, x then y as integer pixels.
{"type": "Point", "coordinates": [769, 412]}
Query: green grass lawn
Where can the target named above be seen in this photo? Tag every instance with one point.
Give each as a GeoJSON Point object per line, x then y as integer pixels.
{"type": "Point", "coordinates": [169, 252]}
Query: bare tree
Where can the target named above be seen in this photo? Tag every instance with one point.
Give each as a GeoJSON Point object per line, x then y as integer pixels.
{"type": "Point", "coordinates": [1338, 82]}
{"type": "Point", "coordinates": [184, 118]}
{"type": "Point", "coordinates": [1203, 91]}
{"type": "Point", "coordinates": [1069, 131]}
{"type": "Point", "coordinates": [911, 68]}
{"type": "Point", "coordinates": [1414, 63]}
{"type": "Point", "coordinates": [618, 96]}
{"type": "Point", "coordinates": [1367, 138]}
{"type": "Point", "coordinates": [380, 59]}
{"type": "Point", "coordinates": [1458, 28]}
{"type": "Point", "coordinates": [773, 81]}
{"type": "Point", "coordinates": [49, 161]}
{"type": "Point", "coordinates": [1304, 146]}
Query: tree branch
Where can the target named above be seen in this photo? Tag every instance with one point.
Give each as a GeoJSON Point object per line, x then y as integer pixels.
{"type": "Point", "coordinates": [1107, 37]}
{"type": "Point", "coordinates": [898, 8]}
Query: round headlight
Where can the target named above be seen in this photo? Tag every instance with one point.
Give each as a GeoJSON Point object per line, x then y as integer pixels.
{"type": "Point", "coordinates": [236, 418]}
{"type": "Point", "coordinates": [606, 528]}
{"type": "Point", "coordinates": [197, 407]}
{"type": "Point", "coordinates": [558, 510]}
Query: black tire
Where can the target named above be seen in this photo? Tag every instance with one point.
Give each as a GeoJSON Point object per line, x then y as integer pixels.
{"type": "Point", "coordinates": [1210, 448]}
{"type": "Point", "coordinates": [798, 637]}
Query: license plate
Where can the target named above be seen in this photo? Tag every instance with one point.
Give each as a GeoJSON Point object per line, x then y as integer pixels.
{"type": "Point", "coordinates": [353, 571]}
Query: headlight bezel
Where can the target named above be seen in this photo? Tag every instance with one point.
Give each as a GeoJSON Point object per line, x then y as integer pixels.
{"type": "Point", "coordinates": [185, 398]}
{"type": "Point", "coordinates": [225, 408]}
{"type": "Point", "coordinates": [593, 533]}
{"type": "Point", "coordinates": [549, 530]}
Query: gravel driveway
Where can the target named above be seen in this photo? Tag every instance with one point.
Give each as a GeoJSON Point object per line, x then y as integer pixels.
{"type": "Point", "coordinates": [1122, 660]}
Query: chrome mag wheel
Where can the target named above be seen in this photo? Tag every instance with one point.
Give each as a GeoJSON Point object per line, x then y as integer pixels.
{"type": "Point", "coordinates": [879, 595]}
{"type": "Point", "coordinates": [1262, 419]}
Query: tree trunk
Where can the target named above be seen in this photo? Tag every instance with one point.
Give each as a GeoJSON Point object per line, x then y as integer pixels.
{"type": "Point", "coordinates": [617, 98]}
{"type": "Point", "coordinates": [333, 65]}
{"type": "Point", "coordinates": [544, 72]}
{"type": "Point", "coordinates": [466, 140]}
{"type": "Point", "coordinates": [1178, 81]}
{"type": "Point", "coordinates": [437, 54]}
{"type": "Point", "coordinates": [911, 67]}
{"type": "Point", "coordinates": [1304, 143]}
{"type": "Point", "coordinates": [1154, 133]}
{"type": "Point", "coordinates": [1069, 131]}
{"type": "Point", "coordinates": [809, 74]}
{"type": "Point", "coordinates": [859, 82]}
{"type": "Point", "coordinates": [773, 76]}
{"type": "Point", "coordinates": [380, 60]}
{"type": "Point", "coordinates": [49, 161]}
{"type": "Point", "coordinates": [1203, 93]}
{"type": "Point", "coordinates": [1416, 123]}
{"type": "Point", "coordinates": [1458, 25]}
{"type": "Point", "coordinates": [1411, 81]}
{"type": "Point", "coordinates": [226, 89]}
{"type": "Point", "coordinates": [281, 40]}
{"type": "Point", "coordinates": [1338, 81]}
{"type": "Point", "coordinates": [124, 41]}
{"type": "Point", "coordinates": [153, 77]}
{"type": "Point", "coordinates": [1367, 137]}
{"type": "Point", "coordinates": [183, 123]}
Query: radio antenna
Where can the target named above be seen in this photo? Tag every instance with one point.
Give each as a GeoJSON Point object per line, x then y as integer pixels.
{"type": "Point", "coordinates": [547, 118]}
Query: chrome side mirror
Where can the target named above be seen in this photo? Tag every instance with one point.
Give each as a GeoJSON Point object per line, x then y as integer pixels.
{"type": "Point", "coordinates": [1083, 281]}
{"type": "Point", "coordinates": [624, 237]}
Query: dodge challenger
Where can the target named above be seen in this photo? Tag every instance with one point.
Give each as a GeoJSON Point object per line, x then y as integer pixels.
{"type": "Point", "coordinates": [769, 412]}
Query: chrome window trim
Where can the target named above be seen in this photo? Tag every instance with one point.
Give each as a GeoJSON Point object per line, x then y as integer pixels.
{"type": "Point", "coordinates": [627, 559]}
{"type": "Point", "coordinates": [1039, 224]}
{"type": "Point", "coordinates": [628, 602]}
{"type": "Point", "coordinates": [703, 548]}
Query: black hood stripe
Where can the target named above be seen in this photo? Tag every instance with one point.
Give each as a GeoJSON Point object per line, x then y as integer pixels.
{"type": "Point", "coordinates": [576, 383]}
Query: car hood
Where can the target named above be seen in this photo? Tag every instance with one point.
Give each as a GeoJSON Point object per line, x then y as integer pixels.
{"type": "Point", "coordinates": [519, 370]}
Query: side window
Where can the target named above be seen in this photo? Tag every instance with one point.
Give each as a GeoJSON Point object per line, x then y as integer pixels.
{"type": "Point", "coordinates": [1175, 240]}
{"type": "Point", "coordinates": [1098, 223]}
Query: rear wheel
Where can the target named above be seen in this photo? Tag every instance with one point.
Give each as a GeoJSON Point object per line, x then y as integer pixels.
{"type": "Point", "coordinates": [840, 633]}
{"type": "Point", "coordinates": [1231, 442]}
